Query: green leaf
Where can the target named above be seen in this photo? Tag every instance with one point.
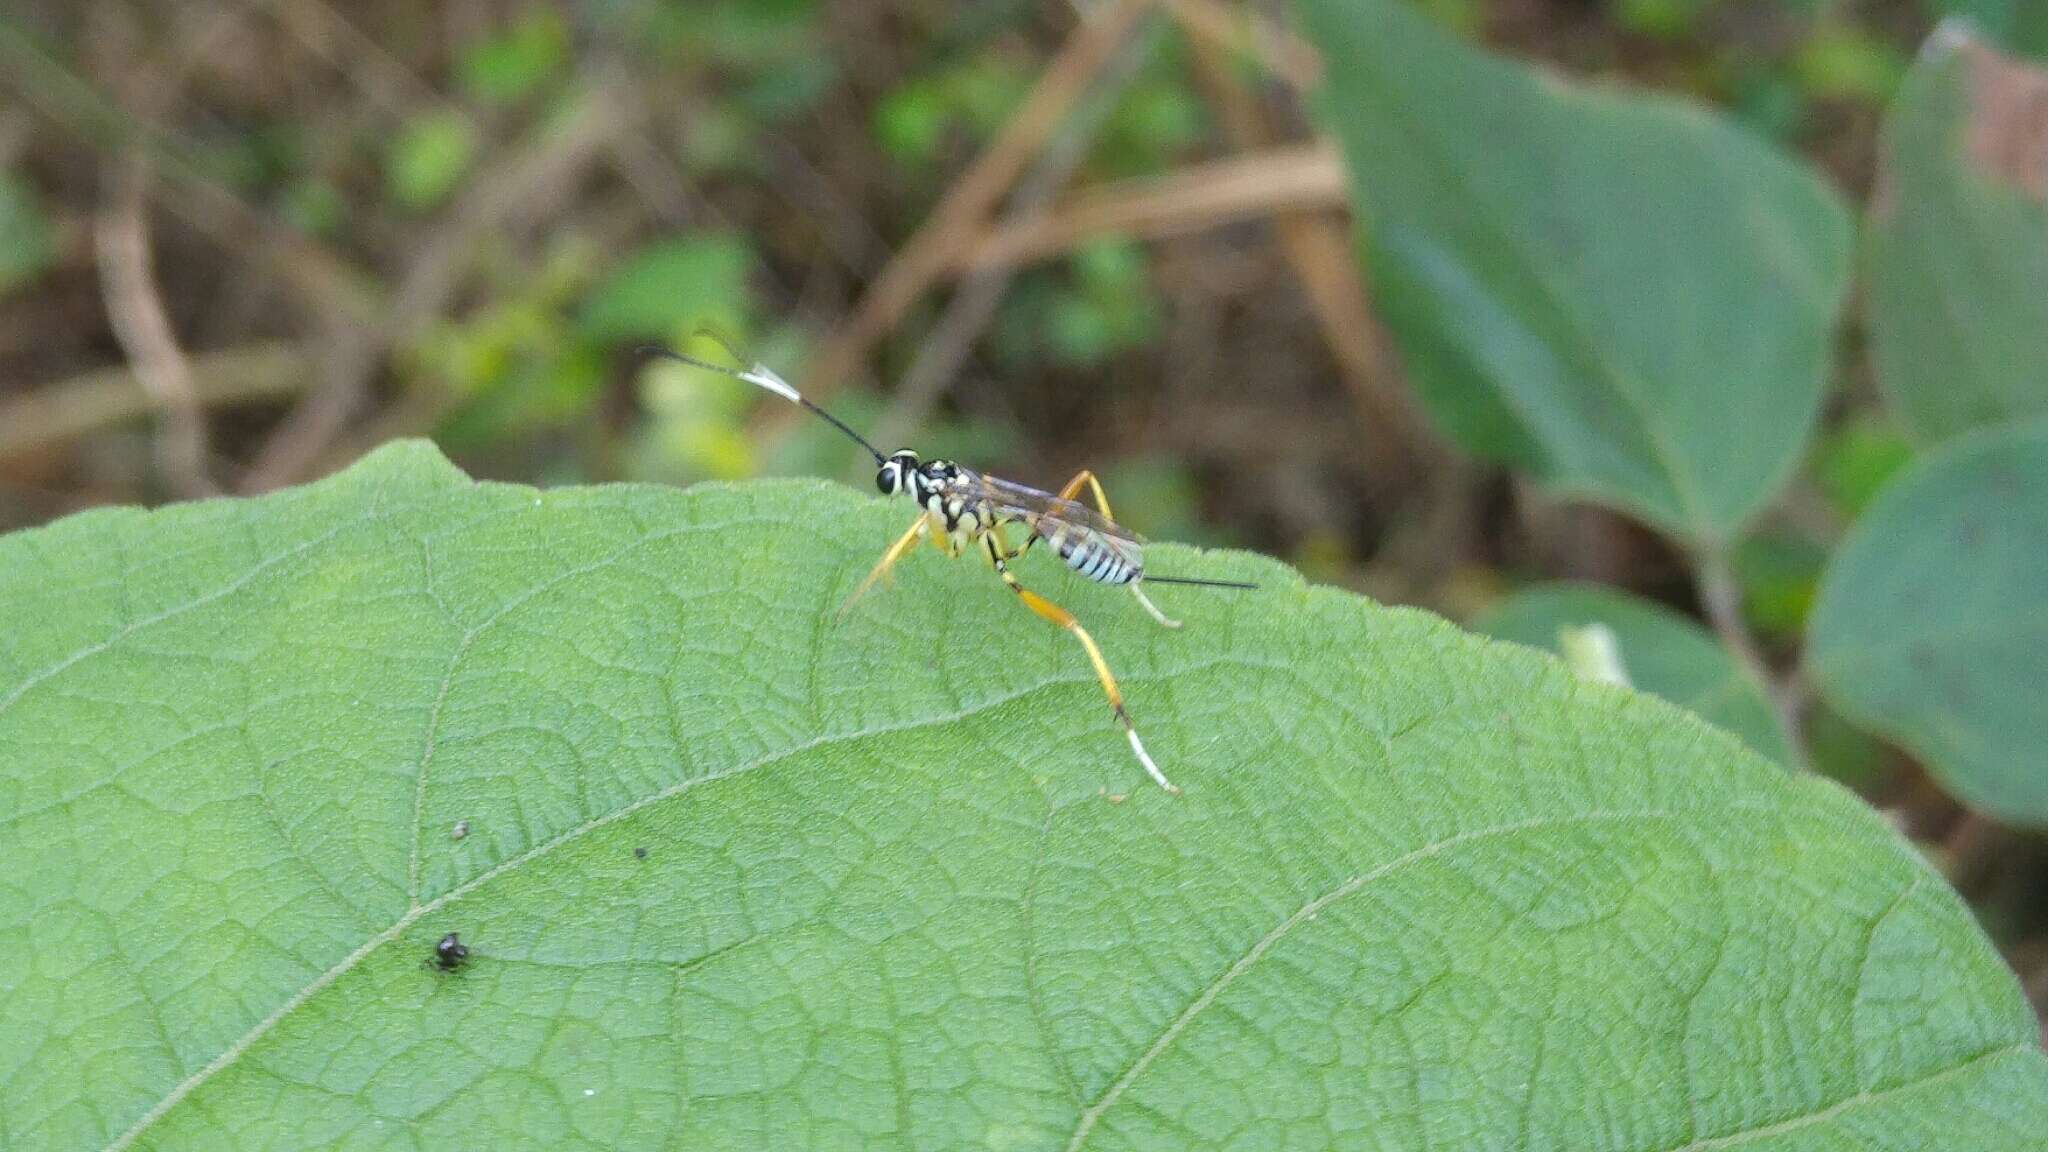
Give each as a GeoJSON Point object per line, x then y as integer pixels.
{"type": "Point", "coordinates": [1662, 651]}
{"type": "Point", "coordinates": [27, 242]}
{"type": "Point", "coordinates": [669, 286]}
{"type": "Point", "coordinates": [1422, 890]}
{"type": "Point", "coordinates": [1930, 626]}
{"type": "Point", "coordinates": [1624, 293]}
{"type": "Point", "coordinates": [1778, 572]}
{"type": "Point", "coordinates": [1957, 242]}
{"type": "Point", "coordinates": [428, 158]}
{"type": "Point", "coordinates": [2021, 25]}
{"type": "Point", "coordinates": [1661, 19]}
{"type": "Point", "coordinates": [1841, 61]}
{"type": "Point", "coordinates": [1855, 461]}
{"type": "Point", "coordinates": [512, 65]}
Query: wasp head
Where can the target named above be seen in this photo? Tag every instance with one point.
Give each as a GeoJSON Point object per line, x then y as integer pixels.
{"type": "Point", "coordinates": [895, 473]}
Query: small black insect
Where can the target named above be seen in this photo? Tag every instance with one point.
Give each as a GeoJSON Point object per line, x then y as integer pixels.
{"type": "Point", "coordinates": [451, 953]}
{"type": "Point", "coordinates": [639, 853]}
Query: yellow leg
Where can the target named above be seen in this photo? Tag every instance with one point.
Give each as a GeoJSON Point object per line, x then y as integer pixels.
{"type": "Point", "coordinates": [1087, 478]}
{"type": "Point", "coordinates": [1073, 489]}
{"type": "Point", "coordinates": [1053, 613]}
{"type": "Point", "coordinates": [903, 544]}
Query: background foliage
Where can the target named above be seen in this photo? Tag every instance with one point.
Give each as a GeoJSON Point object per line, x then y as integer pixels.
{"type": "Point", "coordinates": [1729, 312]}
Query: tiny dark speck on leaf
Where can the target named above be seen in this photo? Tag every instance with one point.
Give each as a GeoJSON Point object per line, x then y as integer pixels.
{"type": "Point", "coordinates": [451, 953]}
{"type": "Point", "coordinates": [639, 853]}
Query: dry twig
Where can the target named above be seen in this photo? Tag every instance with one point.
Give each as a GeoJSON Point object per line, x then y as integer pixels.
{"type": "Point", "coordinates": [136, 311]}
{"type": "Point", "coordinates": [1240, 30]}
{"type": "Point", "coordinates": [948, 344]}
{"type": "Point", "coordinates": [1318, 245]}
{"type": "Point", "coordinates": [1721, 596]}
{"type": "Point", "coordinates": [1248, 186]}
{"type": "Point", "coordinates": [57, 413]}
{"type": "Point", "coordinates": [497, 200]}
{"type": "Point", "coordinates": [961, 216]}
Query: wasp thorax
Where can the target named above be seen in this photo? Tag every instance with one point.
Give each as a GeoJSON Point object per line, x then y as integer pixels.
{"type": "Point", "coordinates": [895, 472]}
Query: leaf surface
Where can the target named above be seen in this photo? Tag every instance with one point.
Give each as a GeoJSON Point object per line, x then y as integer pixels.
{"type": "Point", "coordinates": [1957, 241]}
{"type": "Point", "coordinates": [1424, 891]}
{"type": "Point", "coordinates": [1623, 293]}
{"type": "Point", "coordinates": [1932, 623]}
{"type": "Point", "coordinates": [1662, 652]}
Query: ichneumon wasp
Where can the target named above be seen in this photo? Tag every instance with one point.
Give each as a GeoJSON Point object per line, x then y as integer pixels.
{"type": "Point", "coordinates": [959, 509]}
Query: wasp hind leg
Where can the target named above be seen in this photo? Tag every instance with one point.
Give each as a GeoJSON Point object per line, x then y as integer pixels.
{"type": "Point", "coordinates": [903, 545]}
{"type": "Point", "coordinates": [1086, 478]}
{"type": "Point", "coordinates": [1054, 614]}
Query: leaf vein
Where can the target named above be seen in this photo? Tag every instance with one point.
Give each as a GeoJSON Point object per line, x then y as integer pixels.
{"type": "Point", "coordinates": [1091, 1115]}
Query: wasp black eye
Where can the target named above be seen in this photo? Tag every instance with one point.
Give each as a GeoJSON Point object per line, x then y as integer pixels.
{"type": "Point", "coordinates": [888, 478]}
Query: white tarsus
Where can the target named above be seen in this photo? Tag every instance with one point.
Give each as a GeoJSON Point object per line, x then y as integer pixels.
{"type": "Point", "coordinates": [1162, 617]}
{"type": "Point", "coordinates": [1145, 758]}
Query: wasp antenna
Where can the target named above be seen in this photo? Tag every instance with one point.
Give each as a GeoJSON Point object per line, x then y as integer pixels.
{"type": "Point", "coordinates": [760, 376]}
{"type": "Point", "coordinates": [1192, 582]}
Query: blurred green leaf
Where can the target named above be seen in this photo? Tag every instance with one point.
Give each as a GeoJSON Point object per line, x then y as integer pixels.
{"type": "Point", "coordinates": [670, 286]}
{"type": "Point", "coordinates": [514, 64]}
{"type": "Point", "coordinates": [548, 390]}
{"type": "Point", "coordinates": [1778, 574]}
{"type": "Point", "coordinates": [27, 242]}
{"type": "Point", "coordinates": [1663, 653]}
{"type": "Point", "coordinates": [1099, 303]}
{"type": "Point", "coordinates": [1841, 61]}
{"type": "Point", "coordinates": [313, 206]}
{"type": "Point", "coordinates": [1661, 19]}
{"type": "Point", "coordinates": [1765, 99]}
{"type": "Point", "coordinates": [1158, 118]}
{"type": "Point", "coordinates": [751, 33]}
{"type": "Point", "coordinates": [720, 138]}
{"type": "Point", "coordinates": [1852, 462]}
{"type": "Point", "coordinates": [910, 120]}
{"type": "Point", "coordinates": [429, 157]}
{"type": "Point", "coordinates": [1465, 18]}
{"type": "Point", "coordinates": [1956, 247]}
{"type": "Point", "coordinates": [1932, 623]}
{"type": "Point", "coordinates": [1840, 750]}
{"type": "Point", "coordinates": [977, 96]}
{"type": "Point", "coordinates": [2021, 25]}
{"type": "Point", "coordinates": [782, 93]}
{"type": "Point", "coordinates": [1157, 496]}
{"type": "Point", "coordinates": [1624, 294]}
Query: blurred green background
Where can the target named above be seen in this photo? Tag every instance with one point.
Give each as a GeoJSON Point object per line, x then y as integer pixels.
{"type": "Point", "coordinates": [242, 242]}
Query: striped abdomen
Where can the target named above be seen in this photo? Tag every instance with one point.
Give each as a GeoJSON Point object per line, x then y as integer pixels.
{"type": "Point", "coordinates": [1093, 557]}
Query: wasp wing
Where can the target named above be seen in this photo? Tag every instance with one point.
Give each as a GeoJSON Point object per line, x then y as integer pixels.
{"type": "Point", "coordinates": [1049, 515]}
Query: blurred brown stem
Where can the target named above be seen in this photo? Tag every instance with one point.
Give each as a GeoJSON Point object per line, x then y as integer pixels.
{"type": "Point", "coordinates": [949, 342]}
{"type": "Point", "coordinates": [136, 311]}
{"type": "Point", "coordinates": [331, 284]}
{"type": "Point", "coordinates": [64, 411]}
{"type": "Point", "coordinates": [964, 211]}
{"type": "Point", "coordinates": [1319, 246]}
{"type": "Point", "coordinates": [1247, 186]}
{"type": "Point", "coordinates": [1721, 597]}
{"type": "Point", "coordinates": [1240, 30]}
{"type": "Point", "coordinates": [498, 199]}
